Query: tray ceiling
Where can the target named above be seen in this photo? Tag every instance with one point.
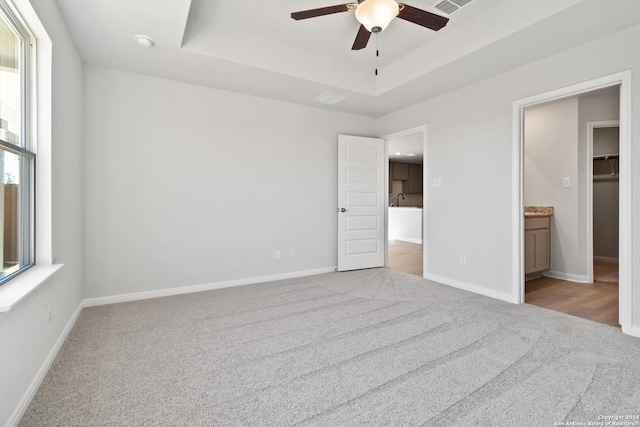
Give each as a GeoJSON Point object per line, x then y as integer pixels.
{"type": "Point", "coordinates": [257, 49]}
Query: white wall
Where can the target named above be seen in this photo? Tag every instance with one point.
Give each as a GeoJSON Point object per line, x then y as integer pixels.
{"type": "Point", "coordinates": [25, 335]}
{"type": "Point", "coordinates": [470, 148]}
{"type": "Point", "coordinates": [550, 155]}
{"type": "Point", "coordinates": [187, 185]}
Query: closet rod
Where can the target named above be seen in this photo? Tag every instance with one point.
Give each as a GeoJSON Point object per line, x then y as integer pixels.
{"type": "Point", "coordinates": [606, 157]}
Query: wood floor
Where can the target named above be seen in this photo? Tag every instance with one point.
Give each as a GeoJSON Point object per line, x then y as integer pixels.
{"type": "Point", "coordinates": [405, 257]}
{"type": "Point", "coordinates": [596, 301]}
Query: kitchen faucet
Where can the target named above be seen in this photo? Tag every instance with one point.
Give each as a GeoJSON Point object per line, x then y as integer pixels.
{"type": "Point", "coordinates": [398, 199]}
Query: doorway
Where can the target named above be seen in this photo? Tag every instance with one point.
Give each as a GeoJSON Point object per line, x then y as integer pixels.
{"type": "Point", "coordinates": [406, 201]}
{"type": "Point", "coordinates": [604, 149]}
{"type": "Point", "coordinates": [569, 276]}
{"type": "Point", "coordinates": [564, 155]}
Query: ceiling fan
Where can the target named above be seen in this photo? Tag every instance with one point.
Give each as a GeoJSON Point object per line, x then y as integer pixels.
{"type": "Point", "coordinates": [375, 15]}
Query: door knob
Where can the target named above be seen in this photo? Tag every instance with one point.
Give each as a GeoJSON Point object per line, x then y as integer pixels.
{"type": "Point", "coordinates": [343, 210]}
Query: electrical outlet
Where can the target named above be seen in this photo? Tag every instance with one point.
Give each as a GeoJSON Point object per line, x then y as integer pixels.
{"type": "Point", "coordinates": [463, 260]}
{"type": "Point", "coordinates": [49, 315]}
{"type": "Point", "coordinates": [292, 252]}
{"type": "Point", "coordinates": [276, 254]}
{"type": "Point", "coordinates": [436, 182]}
{"type": "Point", "coordinates": [566, 182]}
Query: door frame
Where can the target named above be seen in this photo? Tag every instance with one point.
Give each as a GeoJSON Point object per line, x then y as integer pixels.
{"type": "Point", "coordinates": [418, 129]}
{"type": "Point", "coordinates": [625, 246]}
{"type": "Point", "coordinates": [589, 196]}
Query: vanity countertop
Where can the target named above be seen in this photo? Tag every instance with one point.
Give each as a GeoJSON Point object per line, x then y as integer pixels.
{"type": "Point", "coordinates": [537, 211]}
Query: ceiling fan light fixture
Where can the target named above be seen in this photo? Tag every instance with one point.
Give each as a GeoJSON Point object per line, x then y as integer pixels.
{"type": "Point", "coordinates": [376, 15]}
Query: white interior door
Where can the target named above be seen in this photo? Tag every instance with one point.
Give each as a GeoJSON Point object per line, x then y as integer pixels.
{"type": "Point", "coordinates": [361, 186]}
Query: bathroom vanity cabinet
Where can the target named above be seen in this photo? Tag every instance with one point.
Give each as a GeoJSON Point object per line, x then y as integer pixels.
{"type": "Point", "coordinates": [537, 244]}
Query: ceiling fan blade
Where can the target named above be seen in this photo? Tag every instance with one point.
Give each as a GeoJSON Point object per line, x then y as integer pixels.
{"type": "Point", "coordinates": [362, 38]}
{"type": "Point", "coordinates": [312, 13]}
{"type": "Point", "coordinates": [422, 17]}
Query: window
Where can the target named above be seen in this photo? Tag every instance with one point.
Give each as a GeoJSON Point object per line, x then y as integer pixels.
{"type": "Point", "coordinates": [17, 154]}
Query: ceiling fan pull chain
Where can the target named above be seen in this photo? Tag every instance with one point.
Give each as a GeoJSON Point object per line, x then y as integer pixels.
{"type": "Point", "coordinates": [377, 53]}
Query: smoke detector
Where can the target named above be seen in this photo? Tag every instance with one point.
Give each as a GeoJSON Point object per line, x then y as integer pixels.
{"type": "Point", "coordinates": [144, 41]}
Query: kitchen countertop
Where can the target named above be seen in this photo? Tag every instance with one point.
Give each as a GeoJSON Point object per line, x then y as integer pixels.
{"type": "Point", "coordinates": [537, 211]}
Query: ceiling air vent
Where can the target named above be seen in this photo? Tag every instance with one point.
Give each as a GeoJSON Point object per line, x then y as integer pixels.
{"type": "Point", "coordinates": [330, 98]}
{"type": "Point", "coordinates": [450, 6]}
{"type": "Point", "coordinates": [446, 7]}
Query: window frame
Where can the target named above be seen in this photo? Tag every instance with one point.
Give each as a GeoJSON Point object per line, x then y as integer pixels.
{"type": "Point", "coordinates": [26, 148]}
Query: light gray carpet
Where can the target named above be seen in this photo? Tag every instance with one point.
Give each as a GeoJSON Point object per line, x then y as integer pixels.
{"type": "Point", "coordinates": [372, 347]}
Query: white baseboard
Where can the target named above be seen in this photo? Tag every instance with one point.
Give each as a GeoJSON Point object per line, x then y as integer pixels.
{"type": "Point", "coordinates": [24, 402]}
{"type": "Point", "coordinates": [604, 258]}
{"type": "Point", "coordinates": [634, 331]}
{"type": "Point", "coordinates": [408, 240]}
{"type": "Point", "coordinates": [93, 302]}
{"type": "Point", "coordinates": [566, 276]}
{"type": "Point", "coordinates": [503, 296]}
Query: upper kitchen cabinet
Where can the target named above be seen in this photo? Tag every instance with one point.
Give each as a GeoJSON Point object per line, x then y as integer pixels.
{"type": "Point", "coordinates": [399, 171]}
{"type": "Point", "coordinates": [413, 185]}
{"type": "Point", "coordinates": [410, 175]}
